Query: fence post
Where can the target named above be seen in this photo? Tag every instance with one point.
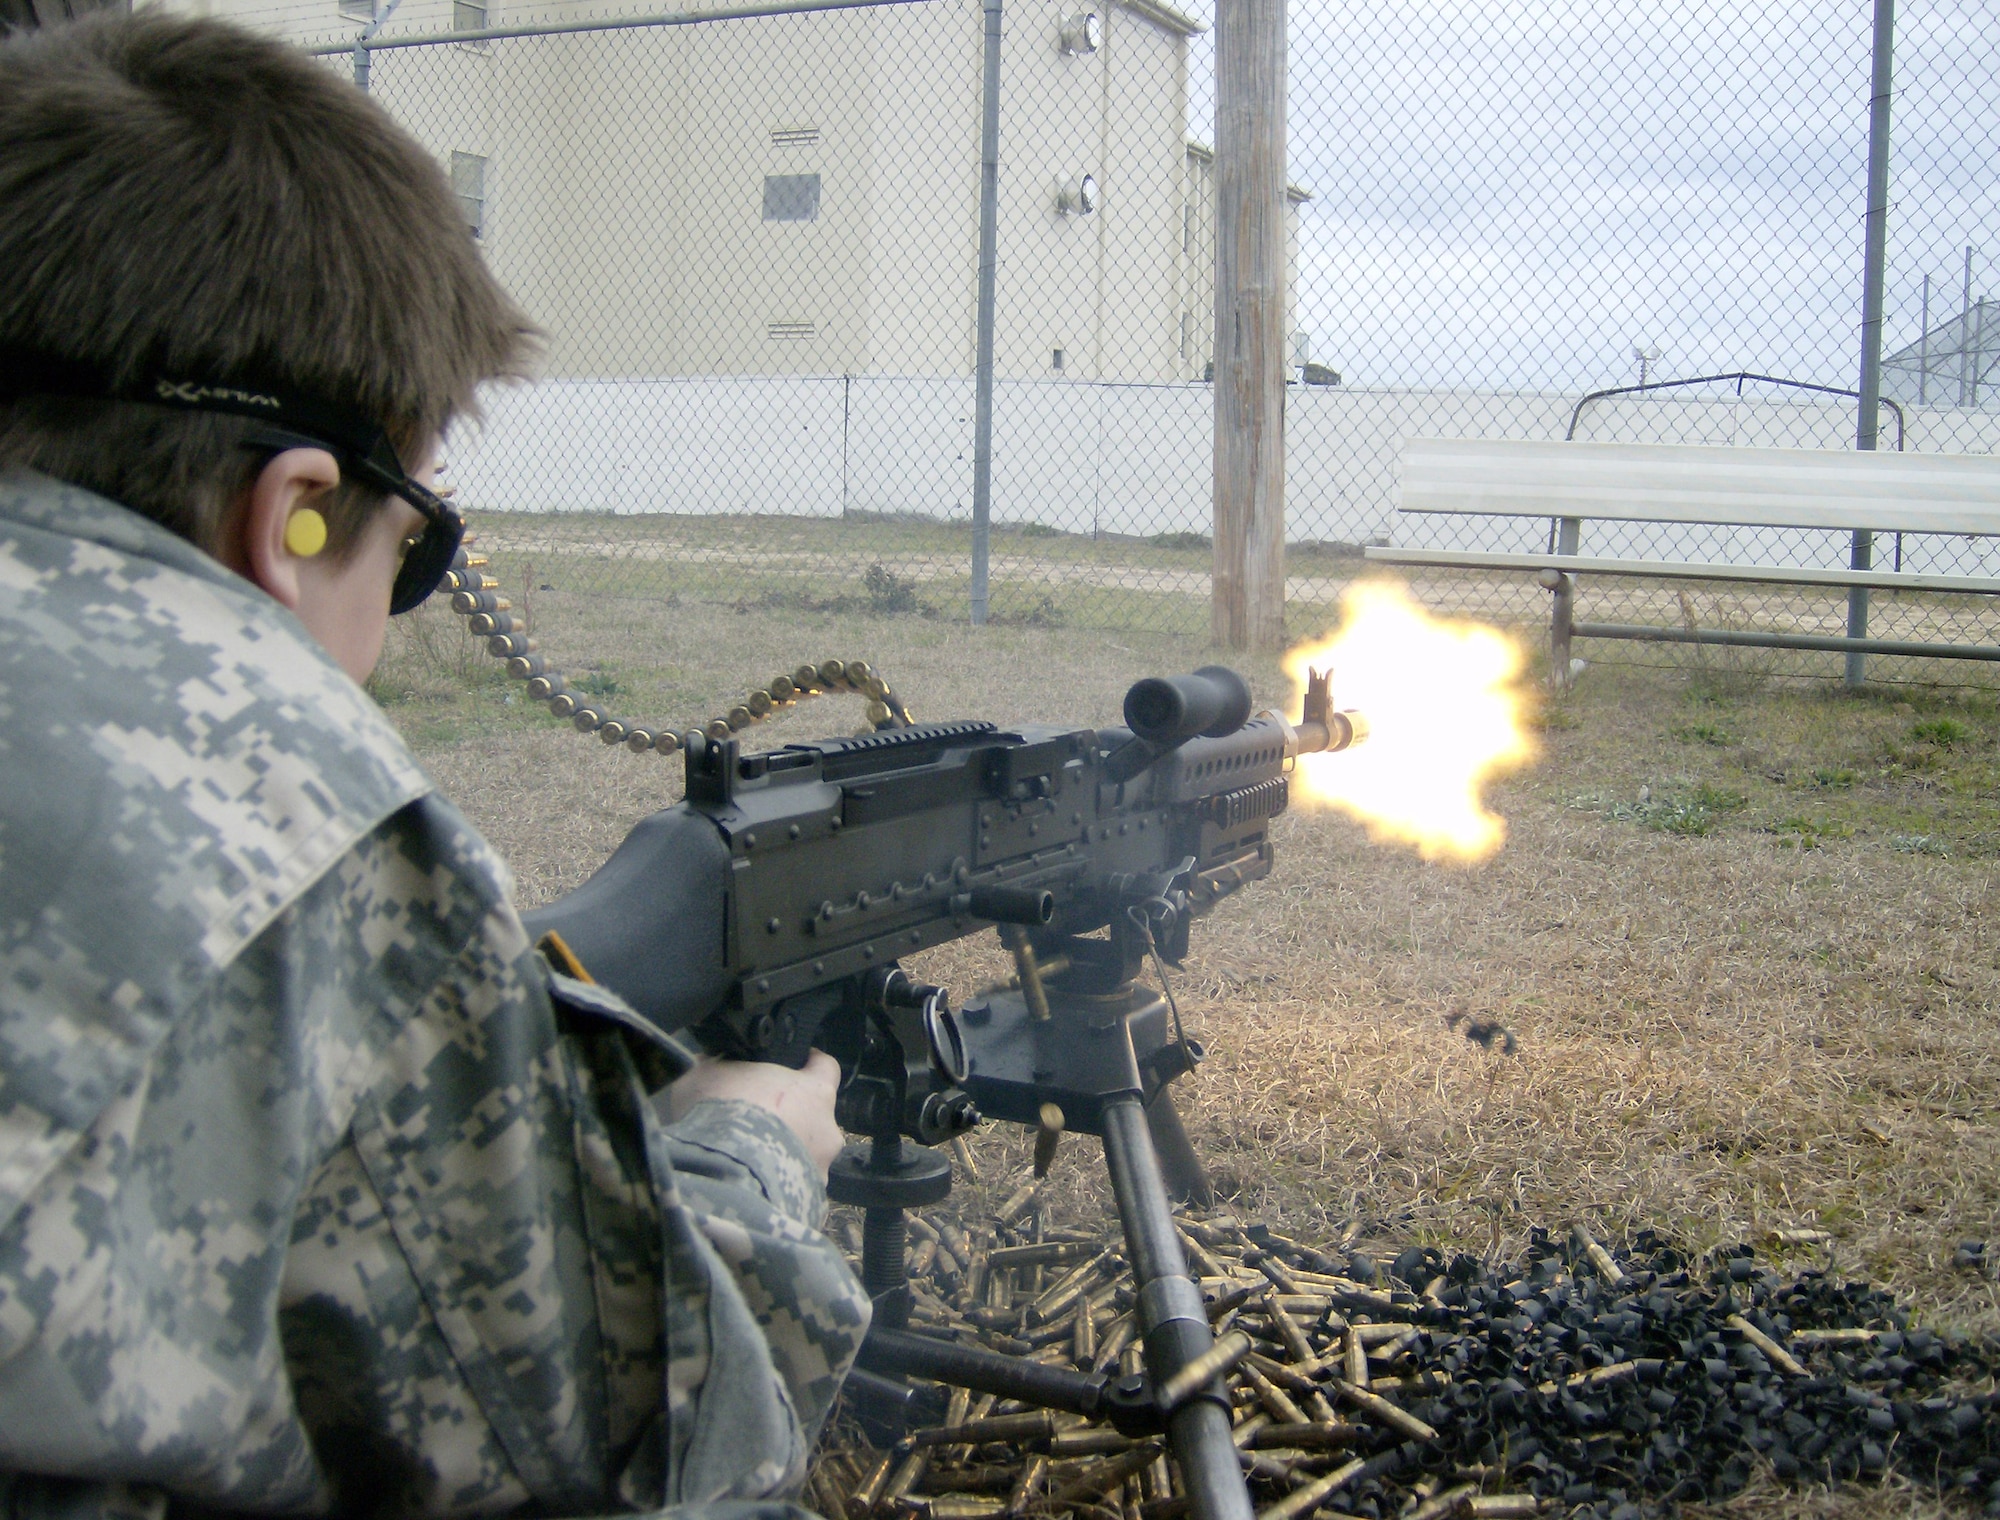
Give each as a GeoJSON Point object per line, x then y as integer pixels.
{"type": "Point", "coordinates": [1861, 552]}
{"type": "Point", "coordinates": [1248, 605]}
{"type": "Point", "coordinates": [989, 219]}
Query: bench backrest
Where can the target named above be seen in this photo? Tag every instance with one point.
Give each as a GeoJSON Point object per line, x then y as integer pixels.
{"type": "Point", "coordinates": [1703, 483]}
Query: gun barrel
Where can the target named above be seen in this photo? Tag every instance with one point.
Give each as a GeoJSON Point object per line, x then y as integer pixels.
{"type": "Point", "coordinates": [1338, 731]}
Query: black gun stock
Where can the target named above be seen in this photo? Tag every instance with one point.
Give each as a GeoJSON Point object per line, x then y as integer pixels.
{"type": "Point", "coordinates": [768, 912]}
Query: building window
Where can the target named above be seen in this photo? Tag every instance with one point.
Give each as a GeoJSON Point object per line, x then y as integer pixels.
{"type": "Point", "coordinates": [469, 16]}
{"type": "Point", "coordinates": [791, 197]}
{"type": "Point", "coordinates": [1056, 360]}
{"type": "Point", "coordinates": [790, 331]}
{"type": "Point", "coordinates": [794, 137]}
{"type": "Point", "coordinates": [468, 182]}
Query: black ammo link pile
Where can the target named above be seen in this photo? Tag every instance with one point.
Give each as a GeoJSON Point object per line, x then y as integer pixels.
{"type": "Point", "coordinates": [1577, 1381]}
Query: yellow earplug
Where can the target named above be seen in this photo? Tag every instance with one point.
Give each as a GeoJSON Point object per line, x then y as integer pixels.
{"type": "Point", "coordinates": [305, 533]}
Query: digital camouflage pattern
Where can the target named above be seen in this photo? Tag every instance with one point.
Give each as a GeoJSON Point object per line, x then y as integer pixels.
{"type": "Point", "coordinates": [311, 1199]}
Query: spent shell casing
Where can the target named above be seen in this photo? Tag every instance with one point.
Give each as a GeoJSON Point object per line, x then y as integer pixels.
{"type": "Point", "coordinates": [1599, 1258]}
{"type": "Point", "coordinates": [1103, 1476]}
{"type": "Point", "coordinates": [1453, 1501]}
{"type": "Point", "coordinates": [1295, 1376]}
{"type": "Point", "coordinates": [922, 1255]}
{"type": "Point", "coordinates": [1503, 1506]}
{"type": "Point", "coordinates": [1034, 1474]}
{"type": "Point", "coordinates": [1778, 1355]}
{"type": "Point", "coordinates": [1197, 1253]}
{"type": "Point", "coordinates": [1022, 1201]}
{"type": "Point", "coordinates": [1066, 1290]}
{"type": "Point", "coordinates": [1047, 1253]}
{"type": "Point", "coordinates": [1356, 1357]}
{"type": "Point", "coordinates": [869, 1493]}
{"type": "Point", "coordinates": [1092, 1442]}
{"type": "Point", "coordinates": [1309, 1434]}
{"type": "Point", "coordinates": [964, 1507]}
{"type": "Point", "coordinates": [1595, 1377]}
{"type": "Point", "coordinates": [1274, 1269]}
{"type": "Point", "coordinates": [1236, 1298]}
{"type": "Point", "coordinates": [1302, 1501]}
{"type": "Point", "coordinates": [1419, 1382]}
{"type": "Point", "coordinates": [962, 1154]}
{"type": "Point", "coordinates": [1388, 1414]}
{"type": "Point", "coordinates": [909, 1472]}
{"type": "Point", "coordinates": [1213, 1363]}
{"type": "Point", "coordinates": [1288, 1328]}
{"type": "Point", "coordinates": [1111, 1345]}
{"type": "Point", "coordinates": [1084, 1345]}
{"type": "Point", "coordinates": [1032, 1425]}
{"type": "Point", "coordinates": [1833, 1337]}
{"type": "Point", "coordinates": [1274, 1398]}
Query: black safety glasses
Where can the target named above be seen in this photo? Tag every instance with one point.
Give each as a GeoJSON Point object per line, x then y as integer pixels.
{"type": "Point", "coordinates": [293, 421]}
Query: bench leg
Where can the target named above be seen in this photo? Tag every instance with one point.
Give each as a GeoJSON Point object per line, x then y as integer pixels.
{"type": "Point", "coordinates": [1561, 620]}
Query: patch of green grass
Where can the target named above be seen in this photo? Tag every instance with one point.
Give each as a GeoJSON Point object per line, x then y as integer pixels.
{"type": "Point", "coordinates": [1832, 776]}
{"type": "Point", "coordinates": [1918, 844]}
{"type": "Point", "coordinates": [1690, 813]}
{"type": "Point", "coordinates": [1943, 732]}
{"type": "Point", "coordinates": [1800, 833]}
{"type": "Point", "coordinates": [1705, 733]}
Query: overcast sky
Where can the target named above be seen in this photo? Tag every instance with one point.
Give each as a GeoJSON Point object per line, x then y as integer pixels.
{"type": "Point", "coordinates": [1517, 195]}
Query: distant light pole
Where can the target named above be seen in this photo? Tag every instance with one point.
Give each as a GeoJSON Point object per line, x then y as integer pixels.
{"type": "Point", "coordinates": [1647, 358]}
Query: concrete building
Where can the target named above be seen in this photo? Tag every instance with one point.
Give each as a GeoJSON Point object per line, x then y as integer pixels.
{"type": "Point", "coordinates": [799, 194]}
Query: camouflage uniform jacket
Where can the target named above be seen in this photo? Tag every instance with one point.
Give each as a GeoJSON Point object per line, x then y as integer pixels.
{"type": "Point", "coordinates": [311, 1200]}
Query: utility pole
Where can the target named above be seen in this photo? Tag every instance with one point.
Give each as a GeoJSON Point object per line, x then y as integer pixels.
{"type": "Point", "coordinates": [1249, 588]}
{"type": "Point", "coordinates": [989, 263]}
{"type": "Point", "coordinates": [1861, 551]}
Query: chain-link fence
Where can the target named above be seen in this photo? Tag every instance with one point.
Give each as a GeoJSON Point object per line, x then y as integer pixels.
{"type": "Point", "coordinates": [754, 240]}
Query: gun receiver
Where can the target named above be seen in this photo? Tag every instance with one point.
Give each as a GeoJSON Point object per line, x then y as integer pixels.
{"type": "Point", "coordinates": [768, 912]}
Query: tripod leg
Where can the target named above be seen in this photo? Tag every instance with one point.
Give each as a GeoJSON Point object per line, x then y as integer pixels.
{"type": "Point", "coordinates": [1186, 1178]}
{"type": "Point", "coordinates": [1171, 1315]}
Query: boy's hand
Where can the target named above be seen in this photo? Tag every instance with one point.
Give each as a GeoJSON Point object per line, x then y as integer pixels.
{"type": "Point", "coordinates": [802, 1098]}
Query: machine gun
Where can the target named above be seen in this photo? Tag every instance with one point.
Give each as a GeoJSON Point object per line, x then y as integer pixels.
{"type": "Point", "coordinates": [767, 912]}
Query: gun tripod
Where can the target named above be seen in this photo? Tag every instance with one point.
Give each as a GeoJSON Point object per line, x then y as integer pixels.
{"type": "Point", "coordinates": [1099, 1056]}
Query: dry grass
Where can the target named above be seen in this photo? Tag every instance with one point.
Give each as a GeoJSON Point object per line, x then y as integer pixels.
{"type": "Point", "coordinates": [1738, 932]}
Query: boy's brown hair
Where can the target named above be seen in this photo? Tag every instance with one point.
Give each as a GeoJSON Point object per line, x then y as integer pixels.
{"type": "Point", "coordinates": [182, 194]}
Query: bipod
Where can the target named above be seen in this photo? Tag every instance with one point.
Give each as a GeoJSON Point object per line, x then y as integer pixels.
{"type": "Point", "coordinates": [1097, 1057]}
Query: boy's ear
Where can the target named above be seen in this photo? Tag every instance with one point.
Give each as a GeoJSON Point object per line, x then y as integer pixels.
{"type": "Point", "coordinates": [255, 547]}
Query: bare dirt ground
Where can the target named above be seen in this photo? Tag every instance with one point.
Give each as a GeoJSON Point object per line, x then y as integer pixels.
{"type": "Point", "coordinates": [1739, 933]}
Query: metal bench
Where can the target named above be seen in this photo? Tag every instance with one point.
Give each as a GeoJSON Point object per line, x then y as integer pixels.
{"type": "Point", "coordinates": [1720, 486]}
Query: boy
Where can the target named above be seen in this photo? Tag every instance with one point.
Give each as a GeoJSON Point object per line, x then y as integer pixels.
{"type": "Point", "coordinates": [311, 1199]}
